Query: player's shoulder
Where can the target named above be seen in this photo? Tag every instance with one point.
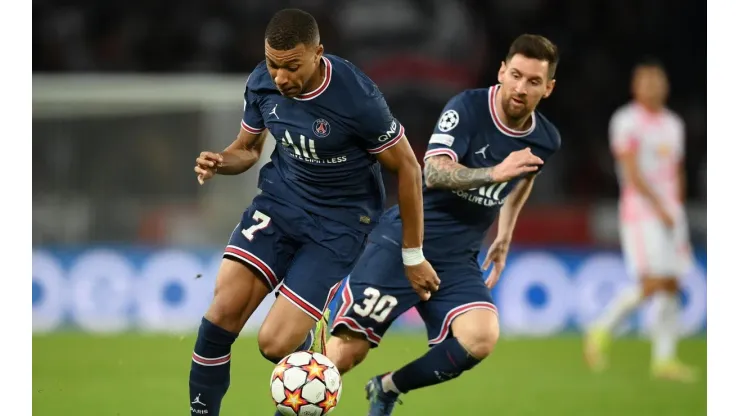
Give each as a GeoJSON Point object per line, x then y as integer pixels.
{"type": "Point", "coordinates": [673, 117]}
{"type": "Point", "coordinates": [549, 132]}
{"type": "Point", "coordinates": [624, 114]}
{"type": "Point", "coordinates": [259, 80]}
{"type": "Point", "coordinates": [355, 85]}
{"type": "Point", "coordinates": [462, 111]}
{"type": "Point", "coordinates": [471, 99]}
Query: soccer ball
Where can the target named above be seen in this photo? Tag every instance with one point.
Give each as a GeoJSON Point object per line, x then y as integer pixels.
{"type": "Point", "coordinates": [305, 384]}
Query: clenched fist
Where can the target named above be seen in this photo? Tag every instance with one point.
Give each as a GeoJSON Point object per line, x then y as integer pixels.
{"type": "Point", "coordinates": [206, 165]}
{"type": "Point", "coordinates": [423, 279]}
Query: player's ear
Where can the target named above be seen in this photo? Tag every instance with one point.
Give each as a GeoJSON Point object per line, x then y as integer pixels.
{"type": "Point", "coordinates": [501, 72]}
{"type": "Point", "coordinates": [549, 87]}
{"type": "Point", "coordinates": [319, 53]}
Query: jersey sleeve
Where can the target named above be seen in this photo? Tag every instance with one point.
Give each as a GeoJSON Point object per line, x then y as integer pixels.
{"type": "Point", "coordinates": [621, 135]}
{"type": "Point", "coordinates": [252, 120]}
{"type": "Point", "coordinates": [377, 127]}
{"type": "Point", "coordinates": [552, 149]}
{"type": "Point", "coordinates": [453, 131]}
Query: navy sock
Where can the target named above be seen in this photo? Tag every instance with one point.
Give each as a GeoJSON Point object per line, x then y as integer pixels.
{"type": "Point", "coordinates": [210, 369]}
{"type": "Point", "coordinates": [442, 362]}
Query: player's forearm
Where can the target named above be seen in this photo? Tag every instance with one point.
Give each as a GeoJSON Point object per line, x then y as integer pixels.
{"type": "Point", "coordinates": [237, 161]}
{"type": "Point", "coordinates": [512, 207]}
{"type": "Point", "coordinates": [242, 154]}
{"type": "Point", "coordinates": [642, 187]}
{"type": "Point", "coordinates": [410, 204]}
{"type": "Point", "coordinates": [442, 172]}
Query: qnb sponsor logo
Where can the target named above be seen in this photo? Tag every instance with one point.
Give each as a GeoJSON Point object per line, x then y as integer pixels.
{"type": "Point", "coordinates": [390, 133]}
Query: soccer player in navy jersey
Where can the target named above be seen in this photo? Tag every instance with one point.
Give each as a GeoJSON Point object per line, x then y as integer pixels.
{"type": "Point", "coordinates": [322, 193]}
{"type": "Point", "coordinates": [487, 148]}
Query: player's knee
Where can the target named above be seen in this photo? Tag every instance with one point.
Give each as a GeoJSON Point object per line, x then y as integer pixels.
{"type": "Point", "coordinates": [225, 313]}
{"type": "Point", "coordinates": [656, 283]}
{"type": "Point", "coordinates": [649, 286]}
{"type": "Point", "coordinates": [346, 349]}
{"type": "Point", "coordinates": [481, 344]}
{"type": "Point", "coordinates": [273, 346]}
{"type": "Point", "coordinates": [480, 341]}
{"type": "Point", "coordinates": [670, 285]}
{"type": "Point", "coordinates": [235, 296]}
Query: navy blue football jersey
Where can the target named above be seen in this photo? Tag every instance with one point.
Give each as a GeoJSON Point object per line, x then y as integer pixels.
{"type": "Point", "coordinates": [324, 159]}
{"type": "Point", "coordinates": [470, 133]}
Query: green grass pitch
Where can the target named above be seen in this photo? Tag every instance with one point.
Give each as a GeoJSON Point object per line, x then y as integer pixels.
{"type": "Point", "coordinates": [145, 375]}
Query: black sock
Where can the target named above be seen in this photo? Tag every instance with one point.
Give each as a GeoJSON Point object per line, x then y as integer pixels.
{"type": "Point", "coordinates": [441, 363]}
{"type": "Point", "coordinates": [210, 369]}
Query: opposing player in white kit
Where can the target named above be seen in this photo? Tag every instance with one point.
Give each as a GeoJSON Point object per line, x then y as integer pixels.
{"type": "Point", "coordinates": [647, 140]}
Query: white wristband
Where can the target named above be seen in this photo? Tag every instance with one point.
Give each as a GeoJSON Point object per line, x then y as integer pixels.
{"type": "Point", "coordinates": [412, 256]}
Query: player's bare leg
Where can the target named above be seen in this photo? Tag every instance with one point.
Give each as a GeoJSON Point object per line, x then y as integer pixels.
{"type": "Point", "coordinates": [284, 330]}
{"type": "Point", "coordinates": [665, 335]}
{"type": "Point", "coordinates": [477, 331]}
{"type": "Point", "coordinates": [239, 291]}
{"type": "Point", "coordinates": [475, 334]}
{"type": "Point", "coordinates": [598, 338]}
{"type": "Point", "coordinates": [346, 349]}
{"type": "Point", "coordinates": [237, 294]}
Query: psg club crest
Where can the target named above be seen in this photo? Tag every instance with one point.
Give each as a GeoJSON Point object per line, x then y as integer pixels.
{"type": "Point", "coordinates": [321, 128]}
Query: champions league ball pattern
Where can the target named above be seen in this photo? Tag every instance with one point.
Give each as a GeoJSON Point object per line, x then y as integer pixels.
{"type": "Point", "coordinates": [305, 384]}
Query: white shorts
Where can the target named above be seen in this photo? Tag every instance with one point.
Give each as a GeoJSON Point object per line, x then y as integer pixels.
{"type": "Point", "coordinates": [651, 249]}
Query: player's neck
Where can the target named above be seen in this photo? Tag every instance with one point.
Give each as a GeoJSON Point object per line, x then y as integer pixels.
{"type": "Point", "coordinates": [317, 78]}
{"type": "Point", "coordinates": [519, 124]}
{"type": "Point", "coordinates": [651, 108]}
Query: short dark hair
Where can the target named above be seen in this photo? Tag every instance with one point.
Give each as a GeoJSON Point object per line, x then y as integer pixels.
{"type": "Point", "coordinates": [649, 62]}
{"type": "Point", "coordinates": [536, 47]}
{"type": "Point", "coordinates": [289, 28]}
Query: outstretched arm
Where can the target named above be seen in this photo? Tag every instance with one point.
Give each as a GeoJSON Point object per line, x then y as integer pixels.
{"type": "Point", "coordinates": [632, 174]}
{"type": "Point", "coordinates": [241, 155]}
{"type": "Point", "coordinates": [499, 249]}
{"type": "Point", "coordinates": [441, 172]}
{"type": "Point", "coordinates": [512, 206]}
{"type": "Point", "coordinates": [244, 152]}
{"type": "Point", "coordinates": [401, 160]}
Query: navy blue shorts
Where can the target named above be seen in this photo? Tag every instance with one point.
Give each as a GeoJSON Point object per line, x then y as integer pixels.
{"type": "Point", "coordinates": [377, 292]}
{"type": "Point", "coordinates": [304, 256]}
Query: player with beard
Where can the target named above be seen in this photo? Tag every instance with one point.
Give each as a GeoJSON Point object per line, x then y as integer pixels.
{"type": "Point", "coordinates": [483, 156]}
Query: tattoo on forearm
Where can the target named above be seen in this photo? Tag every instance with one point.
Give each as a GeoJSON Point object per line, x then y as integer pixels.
{"type": "Point", "coordinates": [444, 173]}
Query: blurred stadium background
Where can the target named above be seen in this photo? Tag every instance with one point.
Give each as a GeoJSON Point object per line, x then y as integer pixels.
{"type": "Point", "coordinates": [125, 94]}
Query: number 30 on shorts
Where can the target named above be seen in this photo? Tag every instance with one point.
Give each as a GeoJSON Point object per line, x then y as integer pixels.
{"type": "Point", "coordinates": [375, 306]}
{"type": "Point", "coordinates": [262, 222]}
